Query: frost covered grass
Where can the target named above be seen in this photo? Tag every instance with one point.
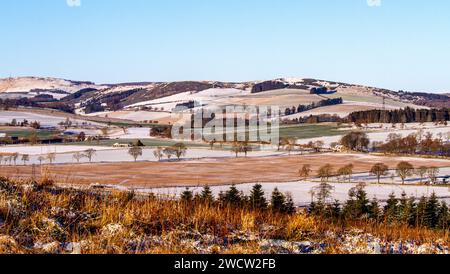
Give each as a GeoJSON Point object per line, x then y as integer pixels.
{"type": "Point", "coordinates": [38, 217]}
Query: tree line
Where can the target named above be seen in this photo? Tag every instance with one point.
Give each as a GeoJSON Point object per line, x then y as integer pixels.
{"type": "Point", "coordinates": [419, 143]}
{"type": "Point", "coordinates": [403, 171]}
{"type": "Point", "coordinates": [303, 108]}
{"type": "Point", "coordinates": [426, 212]}
{"type": "Point", "coordinates": [407, 115]}
{"type": "Point", "coordinates": [256, 200]}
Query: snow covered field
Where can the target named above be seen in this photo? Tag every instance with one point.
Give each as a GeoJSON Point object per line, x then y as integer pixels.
{"type": "Point", "coordinates": [45, 120]}
{"type": "Point", "coordinates": [42, 150]}
{"type": "Point", "coordinates": [111, 155]}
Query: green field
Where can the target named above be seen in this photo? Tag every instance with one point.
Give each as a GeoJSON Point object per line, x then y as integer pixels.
{"type": "Point", "coordinates": [310, 131]}
{"type": "Point", "coordinates": [41, 134]}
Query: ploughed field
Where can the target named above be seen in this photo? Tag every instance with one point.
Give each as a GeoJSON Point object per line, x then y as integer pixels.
{"type": "Point", "coordinates": [223, 171]}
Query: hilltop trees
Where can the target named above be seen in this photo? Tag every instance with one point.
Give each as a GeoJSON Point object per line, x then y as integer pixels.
{"type": "Point", "coordinates": [407, 115]}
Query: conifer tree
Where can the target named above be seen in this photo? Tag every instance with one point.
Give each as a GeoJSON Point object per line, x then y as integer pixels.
{"type": "Point", "coordinates": [391, 209]}
{"type": "Point", "coordinates": [278, 201]}
{"type": "Point", "coordinates": [207, 196]}
{"type": "Point", "coordinates": [233, 197]}
{"type": "Point", "coordinates": [289, 206]}
{"type": "Point", "coordinates": [374, 210]}
{"type": "Point", "coordinates": [443, 216]}
{"type": "Point", "coordinates": [431, 211]}
{"type": "Point", "coordinates": [257, 197]}
{"type": "Point", "coordinates": [187, 196]}
{"type": "Point", "coordinates": [420, 212]}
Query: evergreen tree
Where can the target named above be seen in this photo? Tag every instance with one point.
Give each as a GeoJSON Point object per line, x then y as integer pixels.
{"type": "Point", "coordinates": [257, 197]}
{"type": "Point", "coordinates": [335, 210]}
{"type": "Point", "coordinates": [374, 210]}
{"type": "Point", "coordinates": [444, 216]}
{"type": "Point", "coordinates": [412, 206]}
{"type": "Point", "coordinates": [349, 210]}
{"type": "Point", "coordinates": [278, 201]}
{"type": "Point", "coordinates": [289, 206]}
{"type": "Point", "coordinates": [420, 212]}
{"type": "Point", "coordinates": [404, 209]}
{"type": "Point", "coordinates": [391, 209]}
{"type": "Point", "coordinates": [207, 196]}
{"type": "Point", "coordinates": [187, 196]}
{"type": "Point", "coordinates": [362, 203]}
{"type": "Point", "coordinates": [431, 211]}
{"type": "Point", "coordinates": [233, 197]}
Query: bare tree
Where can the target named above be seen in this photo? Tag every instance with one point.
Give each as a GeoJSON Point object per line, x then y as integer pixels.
{"type": "Point", "coordinates": [180, 150]}
{"type": "Point", "coordinates": [90, 153]}
{"type": "Point", "coordinates": [422, 171]}
{"type": "Point", "coordinates": [236, 148]}
{"type": "Point", "coordinates": [318, 146]}
{"type": "Point", "coordinates": [41, 158]}
{"type": "Point", "coordinates": [15, 156]}
{"type": "Point", "coordinates": [305, 171]}
{"type": "Point", "coordinates": [246, 148]}
{"type": "Point", "coordinates": [158, 153]}
{"type": "Point", "coordinates": [432, 173]}
{"type": "Point", "coordinates": [51, 157]}
{"type": "Point", "coordinates": [346, 172]}
{"type": "Point", "coordinates": [6, 159]}
{"type": "Point", "coordinates": [322, 192]}
{"type": "Point", "coordinates": [169, 152]}
{"type": "Point", "coordinates": [25, 159]}
{"type": "Point", "coordinates": [135, 152]}
{"type": "Point", "coordinates": [290, 145]}
{"type": "Point", "coordinates": [325, 172]}
{"type": "Point", "coordinates": [78, 156]}
{"type": "Point", "coordinates": [404, 170]}
{"type": "Point", "coordinates": [379, 170]}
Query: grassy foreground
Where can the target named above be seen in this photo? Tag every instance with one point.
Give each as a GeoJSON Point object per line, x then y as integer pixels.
{"type": "Point", "coordinates": [38, 217]}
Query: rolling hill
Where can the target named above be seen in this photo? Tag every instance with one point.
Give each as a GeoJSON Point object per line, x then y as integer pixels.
{"type": "Point", "coordinates": [156, 100]}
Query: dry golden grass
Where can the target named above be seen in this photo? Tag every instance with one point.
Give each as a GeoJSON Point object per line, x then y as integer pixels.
{"type": "Point", "coordinates": [41, 218]}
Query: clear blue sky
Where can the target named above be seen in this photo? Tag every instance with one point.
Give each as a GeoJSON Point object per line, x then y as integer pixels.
{"type": "Point", "coordinates": [401, 44]}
